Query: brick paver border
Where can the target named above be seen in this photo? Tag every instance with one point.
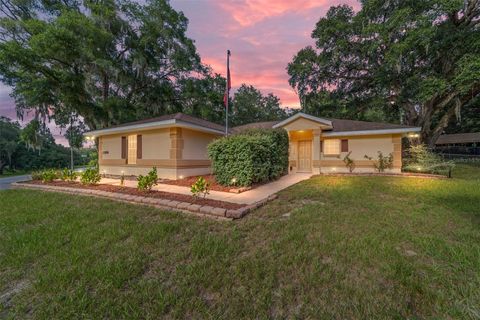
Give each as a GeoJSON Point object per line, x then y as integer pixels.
{"type": "Point", "coordinates": [186, 207]}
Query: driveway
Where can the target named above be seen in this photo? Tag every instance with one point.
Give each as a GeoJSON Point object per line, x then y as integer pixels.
{"type": "Point", "coordinates": [6, 183]}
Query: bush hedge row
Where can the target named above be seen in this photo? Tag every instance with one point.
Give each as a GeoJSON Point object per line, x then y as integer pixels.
{"type": "Point", "coordinates": [253, 156]}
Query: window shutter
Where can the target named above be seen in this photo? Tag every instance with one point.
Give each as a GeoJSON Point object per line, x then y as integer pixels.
{"type": "Point", "coordinates": [344, 147]}
{"type": "Point", "coordinates": [321, 146]}
{"type": "Point", "coordinates": [124, 147]}
{"type": "Point", "coordinates": [139, 146]}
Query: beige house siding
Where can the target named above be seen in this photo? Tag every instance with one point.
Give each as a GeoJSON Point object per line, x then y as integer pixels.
{"type": "Point", "coordinates": [175, 152]}
{"type": "Point", "coordinates": [111, 147]}
{"type": "Point", "coordinates": [361, 146]}
{"type": "Point", "coordinates": [301, 124]}
{"type": "Point", "coordinates": [156, 144]}
{"type": "Point", "coordinates": [195, 144]}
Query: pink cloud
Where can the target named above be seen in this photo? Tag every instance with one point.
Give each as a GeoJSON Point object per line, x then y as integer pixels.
{"type": "Point", "coordinates": [249, 12]}
{"type": "Point", "coordinates": [263, 36]}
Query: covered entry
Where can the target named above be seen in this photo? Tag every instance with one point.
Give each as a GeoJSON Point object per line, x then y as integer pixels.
{"type": "Point", "coordinates": [304, 132]}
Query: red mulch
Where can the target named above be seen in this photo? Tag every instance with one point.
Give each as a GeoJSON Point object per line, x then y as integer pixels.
{"type": "Point", "coordinates": [152, 194]}
{"type": "Point", "coordinates": [188, 181]}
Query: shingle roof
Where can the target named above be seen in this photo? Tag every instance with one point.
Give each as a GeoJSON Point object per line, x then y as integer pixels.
{"type": "Point", "coordinates": [255, 125]}
{"type": "Point", "coordinates": [176, 116]}
{"type": "Point", "coordinates": [342, 125]}
{"type": "Point", "coordinates": [339, 125]}
{"type": "Point", "coordinates": [459, 138]}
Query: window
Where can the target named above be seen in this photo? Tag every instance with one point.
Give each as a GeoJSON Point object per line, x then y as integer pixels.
{"type": "Point", "coordinates": [331, 146]}
{"type": "Point", "coordinates": [132, 149]}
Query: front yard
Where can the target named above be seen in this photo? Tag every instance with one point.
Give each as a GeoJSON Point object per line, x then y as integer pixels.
{"type": "Point", "coordinates": [329, 247]}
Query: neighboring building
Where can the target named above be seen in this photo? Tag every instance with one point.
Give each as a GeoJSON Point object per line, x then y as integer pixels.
{"type": "Point", "coordinates": [459, 144]}
{"type": "Point", "coordinates": [177, 144]}
{"type": "Point", "coordinates": [459, 139]}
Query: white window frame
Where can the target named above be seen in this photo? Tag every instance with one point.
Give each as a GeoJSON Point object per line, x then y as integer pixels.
{"type": "Point", "coordinates": [331, 147]}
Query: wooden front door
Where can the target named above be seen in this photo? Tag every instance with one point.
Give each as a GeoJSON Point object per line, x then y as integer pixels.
{"type": "Point", "coordinates": [305, 156]}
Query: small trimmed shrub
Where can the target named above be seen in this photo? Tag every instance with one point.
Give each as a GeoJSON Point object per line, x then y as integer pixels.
{"type": "Point", "coordinates": [349, 163]}
{"type": "Point", "coordinates": [49, 175]}
{"type": "Point", "coordinates": [200, 187]}
{"type": "Point", "coordinates": [146, 183]}
{"type": "Point", "coordinates": [90, 176]}
{"type": "Point", "coordinates": [68, 175]}
{"type": "Point", "coordinates": [382, 162]}
{"type": "Point", "coordinates": [250, 157]}
{"type": "Point", "coordinates": [420, 159]}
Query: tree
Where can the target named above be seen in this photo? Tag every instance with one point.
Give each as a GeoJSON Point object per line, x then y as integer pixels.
{"type": "Point", "coordinates": [416, 60]}
{"type": "Point", "coordinates": [9, 138]}
{"type": "Point", "coordinates": [469, 121]}
{"type": "Point", "coordinates": [31, 136]}
{"type": "Point", "coordinates": [249, 105]}
{"type": "Point", "coordinates": [108, 61]}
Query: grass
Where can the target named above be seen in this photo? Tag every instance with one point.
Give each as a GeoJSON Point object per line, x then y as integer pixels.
{"type": "Point", "coordinates": [329, 247]}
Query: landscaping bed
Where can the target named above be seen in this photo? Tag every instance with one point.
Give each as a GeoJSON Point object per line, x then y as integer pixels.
{"type": "Point", "coordinates": [214, 185]}
{"type": "Point", "coordinates": [151, 194]}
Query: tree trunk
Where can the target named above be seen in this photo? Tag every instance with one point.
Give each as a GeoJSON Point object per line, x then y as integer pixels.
{"type": "Point", "coordinates": [71, 158]}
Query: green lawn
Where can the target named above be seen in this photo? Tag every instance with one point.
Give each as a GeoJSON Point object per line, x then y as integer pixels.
{"type": "Point", "coordinates": [329, 247]}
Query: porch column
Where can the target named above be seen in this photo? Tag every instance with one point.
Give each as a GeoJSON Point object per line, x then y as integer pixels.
{"type": "Point", "coordinates": [317, 133]}
{"type": "Point", "coordinates": [292, 154]}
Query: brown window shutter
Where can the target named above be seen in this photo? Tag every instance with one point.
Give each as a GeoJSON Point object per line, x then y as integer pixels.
{"type": "Point", "coordinates": [344, 145]}
{"type": "Point", "coordinates": [321, 146]}
{"type": "Point", "coordinates": [139, 146]}
{"type": "Point", "coordinates": [124, 147]}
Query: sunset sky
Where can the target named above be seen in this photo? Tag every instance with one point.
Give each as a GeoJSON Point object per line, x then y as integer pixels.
{"type": "Point", "coordinates": [263, 36]}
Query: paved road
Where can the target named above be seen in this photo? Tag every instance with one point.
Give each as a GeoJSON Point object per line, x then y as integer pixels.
{"type": "Point", "coordinates": [5, 183]}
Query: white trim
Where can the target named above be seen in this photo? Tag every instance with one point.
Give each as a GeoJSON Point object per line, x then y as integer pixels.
{"type": "Point", "coordinates": [303, 115]}
{"type": "Point", "coordinates": [368, 132]}
{"type": "Point", "coordinates": [151, 125]}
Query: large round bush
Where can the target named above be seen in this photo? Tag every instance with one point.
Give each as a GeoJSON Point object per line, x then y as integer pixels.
{"type": "Point", "coordinates": [250, 157]}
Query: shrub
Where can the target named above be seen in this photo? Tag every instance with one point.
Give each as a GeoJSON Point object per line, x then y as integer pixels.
{"type": "Point", "coordinates": [201, 186]}
{"type": "Point", "coordinates": [147, 182]}
{"type": "Point", "coordinates": [382, 162]}
{"type": "Point", "coordinates": [49, 175]}
{"type": "Point", "coordinates": [349, 163]}
{"type": "Point", "coordinates": [420, 159]}
{"type": "Point", "coordinates": [36, 175]}
{"type": "Point", "coordinates": [68, 175]}
{"type": "Point", "coordinates": [90, 176]}
{"type": "Point", "coordinates": [250, 157]}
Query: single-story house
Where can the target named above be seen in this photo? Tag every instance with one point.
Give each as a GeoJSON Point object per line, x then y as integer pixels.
{"type": "Point", "coordinates": [177, 144]}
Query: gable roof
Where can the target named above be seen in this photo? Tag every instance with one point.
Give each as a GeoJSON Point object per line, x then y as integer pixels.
{"type": "Point", "coordinates": [321, 121]}
{"type": "Point", "coordinates": [338, 127]}
{"type": "Point", "coordinates": [178, 119]}
{"type": "Point", "coordinates": [459, 138]}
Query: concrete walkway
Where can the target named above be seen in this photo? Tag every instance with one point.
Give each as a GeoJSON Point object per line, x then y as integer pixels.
{"type": "Point", "coordinates": [247, 197]}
